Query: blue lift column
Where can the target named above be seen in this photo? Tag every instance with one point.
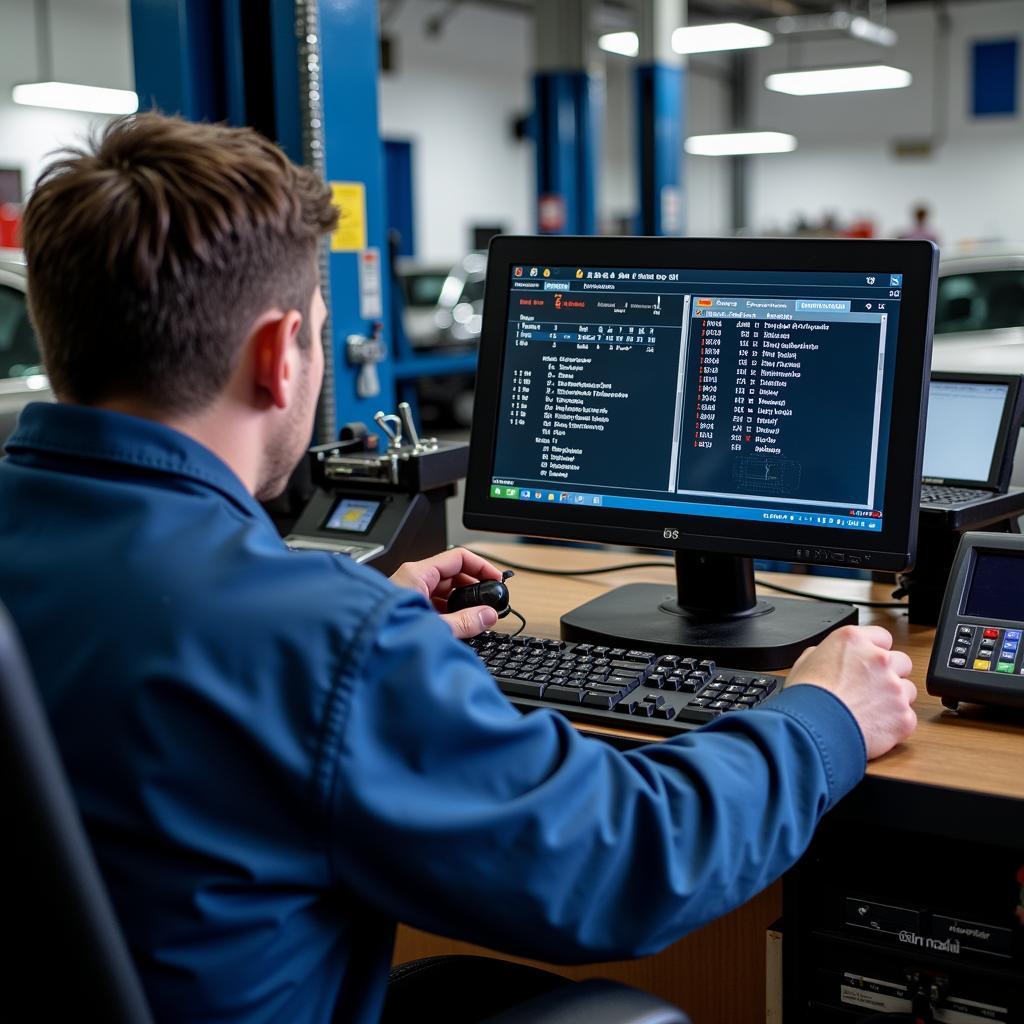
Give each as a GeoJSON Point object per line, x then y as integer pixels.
{"type": "Point", "coordinates": [568, 104]}
{"type": "Point", "coordinates": [660, 119]}
{"type": "Point", "coordinates": [304, 73]}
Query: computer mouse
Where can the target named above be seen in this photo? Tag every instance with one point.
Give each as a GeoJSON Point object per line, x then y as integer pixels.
{"type": "Point", "coordinates": [493, 593]}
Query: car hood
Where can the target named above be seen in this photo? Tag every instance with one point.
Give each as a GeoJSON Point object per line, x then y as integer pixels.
{"type": "Point", "coordinates": [1000, 351]}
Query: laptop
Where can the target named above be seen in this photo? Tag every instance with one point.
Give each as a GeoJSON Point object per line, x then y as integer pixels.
{"type": "Point", "coordinates": [974, 420]}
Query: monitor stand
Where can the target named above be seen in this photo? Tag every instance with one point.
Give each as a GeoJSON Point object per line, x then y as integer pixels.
{"type": "Point", "coordinates": [713, 614]}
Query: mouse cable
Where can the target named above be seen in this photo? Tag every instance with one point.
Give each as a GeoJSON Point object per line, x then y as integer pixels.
{"type": "Point", "coordinates": [668, 565]}
{"type": "Point", "coordinates": [512, 611]}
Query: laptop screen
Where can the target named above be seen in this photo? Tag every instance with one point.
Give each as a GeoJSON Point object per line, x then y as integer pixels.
{"type": "Point", "coordinates": [963, 430]}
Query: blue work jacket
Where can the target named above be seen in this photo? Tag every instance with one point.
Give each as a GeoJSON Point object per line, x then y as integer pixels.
{"type": "Point", "coordinates": [278, 755]}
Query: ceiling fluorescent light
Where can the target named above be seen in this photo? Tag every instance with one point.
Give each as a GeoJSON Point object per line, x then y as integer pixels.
{"type": "Point", "coordinates": [863, 78]}
{"type": "Point", "coordinates": [729, 35]}
{"type": "Point", "coordinates": [68, 96]}
{"type": "Point", "coordinates": [626, 43]}
{"type": "Point", "coordinates": [740, 143]}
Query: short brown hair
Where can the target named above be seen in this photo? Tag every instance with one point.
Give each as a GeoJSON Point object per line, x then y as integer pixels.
{"type": "Point", "coordinates": [152, 250]}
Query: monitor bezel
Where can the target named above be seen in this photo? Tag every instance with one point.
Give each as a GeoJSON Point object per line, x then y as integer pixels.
{"type": "Point", "coordinates": [892, 548]}
{"type": "Point", "coordinates": [1001, 468]}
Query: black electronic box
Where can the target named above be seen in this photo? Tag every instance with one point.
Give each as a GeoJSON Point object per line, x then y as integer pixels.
{"type": "Point", "coordinates": [978, 655]}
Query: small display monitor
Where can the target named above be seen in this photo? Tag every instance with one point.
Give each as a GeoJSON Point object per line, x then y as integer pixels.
{"type": "Point", "coordinates": [970, 420]}
{"type": "Point", "coordinates": [352, 515]}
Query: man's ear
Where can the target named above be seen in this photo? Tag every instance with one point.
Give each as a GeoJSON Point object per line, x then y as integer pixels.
{"type": "Point", "coordinates": [273, 346]}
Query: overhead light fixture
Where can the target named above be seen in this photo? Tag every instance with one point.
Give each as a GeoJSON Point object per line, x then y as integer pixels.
{"type": "Point", "coordinates": [626, 43]}
{"type": "Point", "coordinates": [837, 24]}
{"type": "Point", "coordinates": [66, 95]}
{"type": "Point", "coordinates": [728, 35]}
{"type": "Point", "coordinates": [861, 78]}
{"type": "Point", "coordinates": [740, 143]}
{"type": "Point", "coordinates": [69, 96]}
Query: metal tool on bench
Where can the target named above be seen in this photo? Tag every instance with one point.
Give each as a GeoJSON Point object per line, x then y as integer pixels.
{"type": "Point", "coordinates": [381, 508]}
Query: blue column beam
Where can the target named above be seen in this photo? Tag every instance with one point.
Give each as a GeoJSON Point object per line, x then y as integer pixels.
{"type": "Point", "coordinates": [660, 82]}
{"type": "Point", "coordinates": [353, 153]}
{"type": "Point", "coordinates": [177, 47]}
{"type": "Point", "coordinates": [568, 103]}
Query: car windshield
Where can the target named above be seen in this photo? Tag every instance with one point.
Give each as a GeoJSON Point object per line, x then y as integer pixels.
{"type": "Point", "coordinates": [424, 289]}
{"type": "Point", "coordinates": [19, 356]}
{"type": "Point", "coordinates": [980, 301]}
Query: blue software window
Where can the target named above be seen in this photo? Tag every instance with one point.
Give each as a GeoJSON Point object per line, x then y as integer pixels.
{"type": "Point", "coordinates": [994, 69]}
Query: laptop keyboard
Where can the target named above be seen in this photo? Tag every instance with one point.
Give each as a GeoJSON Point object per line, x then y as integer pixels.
{"type": "Point", "coordinates": [943, 494]}
{"type": "Point", "coordinates": [666, 694]}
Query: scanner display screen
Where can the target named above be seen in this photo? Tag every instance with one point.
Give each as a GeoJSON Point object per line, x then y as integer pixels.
{"type": "Point", "coordinates": [996, 589]}
{"type": "Point", "coordinates": [352, 515]}
{"type": "Point", "coordinates": [963, 428]}
{"type": "Point", "coordinates": [754, 395]}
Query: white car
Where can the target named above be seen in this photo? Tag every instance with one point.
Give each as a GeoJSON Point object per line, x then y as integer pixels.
{"type": "Point", "coordinates": [979, 314]}
{"type": "Point", "coordinates": [979, 318]}
{"type": "Point", "coordinates": [22, 379]}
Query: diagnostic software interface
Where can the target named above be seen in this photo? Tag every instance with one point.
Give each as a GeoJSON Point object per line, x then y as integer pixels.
{"type": "Point", "coordinates": [963, 428]}
{"type": "Point", "coordinates": [733, 394]}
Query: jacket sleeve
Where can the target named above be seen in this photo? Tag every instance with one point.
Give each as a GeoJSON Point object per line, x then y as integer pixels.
{"type": "Point", "coordinates": [452, 812]}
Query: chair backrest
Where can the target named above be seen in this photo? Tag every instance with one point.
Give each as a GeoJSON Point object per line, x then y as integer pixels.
{"type": "Point", "coordinates": [66, 958]}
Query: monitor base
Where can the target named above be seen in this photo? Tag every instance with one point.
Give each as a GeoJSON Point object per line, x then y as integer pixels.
{"type": "Point", "coordinates": [646, 616]}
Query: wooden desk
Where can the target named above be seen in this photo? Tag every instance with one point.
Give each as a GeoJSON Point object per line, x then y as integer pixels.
{"type": "Point", "coordinates": [717, 974]}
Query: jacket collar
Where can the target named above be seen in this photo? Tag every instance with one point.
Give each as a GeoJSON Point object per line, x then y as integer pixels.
{"type": "Point", "coordinates": [133, 443]}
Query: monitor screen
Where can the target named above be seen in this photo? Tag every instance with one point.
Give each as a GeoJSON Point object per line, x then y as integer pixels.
{"type": "Point", "coordinates": [729, 400]}
{"type": "Point", "coordinates": [995, 591]}
{"type": "Point", "coordinates": [963, 429]}
{"type": "Point", "coordinates": [352, 515]}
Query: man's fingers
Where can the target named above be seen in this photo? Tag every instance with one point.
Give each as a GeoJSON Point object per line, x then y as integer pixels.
{"type": "Point", "coordinates": [445, 587]}
{"type": "Point", "coordinates": [878, 635]}
{"type": "Point", "coordinates": [900, 663]}
{"type": "Point", "coordinates": [470, 621]}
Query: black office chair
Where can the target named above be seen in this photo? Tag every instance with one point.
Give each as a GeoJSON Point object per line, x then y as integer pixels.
{"type": "Point", "coordinates": [67, 959]}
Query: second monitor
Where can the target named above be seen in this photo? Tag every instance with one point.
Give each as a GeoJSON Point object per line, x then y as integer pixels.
{"type": "Point", "coordinates": [727, 399]}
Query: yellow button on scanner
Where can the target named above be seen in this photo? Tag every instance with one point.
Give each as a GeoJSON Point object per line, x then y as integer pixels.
{"type": "Point", "coordinates": [981, 665]}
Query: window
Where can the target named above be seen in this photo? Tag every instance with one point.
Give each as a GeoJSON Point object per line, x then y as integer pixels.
{"type": "Point", "coordinates": [980, 301]}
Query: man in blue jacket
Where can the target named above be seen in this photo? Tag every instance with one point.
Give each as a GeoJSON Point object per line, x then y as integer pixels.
{"type": "Point", "coordinates": [278, 755]}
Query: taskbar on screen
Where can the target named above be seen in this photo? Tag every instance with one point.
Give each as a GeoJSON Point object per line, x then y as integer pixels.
{"type": "Point", "coordinates": [870, 521]}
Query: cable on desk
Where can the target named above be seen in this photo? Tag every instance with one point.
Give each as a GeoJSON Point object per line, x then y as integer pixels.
{"type": "Point", "coordinates": [668, 565]}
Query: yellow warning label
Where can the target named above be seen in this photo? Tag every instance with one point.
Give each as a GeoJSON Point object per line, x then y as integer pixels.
{"type": "Point", "coordinates": [350, 199]}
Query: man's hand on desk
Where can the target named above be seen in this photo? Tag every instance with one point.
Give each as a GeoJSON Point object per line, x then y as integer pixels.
{"type": "Point", "coordinates": [435, 578]}
{"type": "Point", "coordinates": [857, 665]}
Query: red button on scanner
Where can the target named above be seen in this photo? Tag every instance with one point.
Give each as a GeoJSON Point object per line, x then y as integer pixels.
{"type": "Point", "coordinates": [990, 634]}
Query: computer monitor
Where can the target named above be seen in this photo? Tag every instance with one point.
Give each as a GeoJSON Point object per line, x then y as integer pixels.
{"type": "Point", "coordinates": [972, 418]}
{"type": "Point", "coordinates": [723, 398]}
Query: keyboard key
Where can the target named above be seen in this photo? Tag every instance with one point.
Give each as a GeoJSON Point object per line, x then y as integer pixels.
{"type": "Point", "coordinates": [733, 688]}
{"type": "Point", "coordinates": [747, 699]}
{"type": "Point", "coordinates": [617, 652]}
{"type": "Point", "coordinates": [991, 634]}
{"type": "Point", "coordinates": [627, 706]}
{"type": "Point", "coordinates": [666, 711]}
{"type": "Point", "coordinates": [645, 656]}
{"type": "Point", "coordinates": [720, 705]}
{"type": "Point", "coordinates": [521, 688]}
{"type": "Point", "coordinates": [690, 664]}
{"type": "Point", "coordinates": [699, 677]}
{"type": "Point", "coordinates": [562, 694]}
{"type": "Point", "coordinates": [698, 716]}
{"type": "Point", "coordinates": [604, 701]}
{"type": "Point", "coordinates": [707, 666]}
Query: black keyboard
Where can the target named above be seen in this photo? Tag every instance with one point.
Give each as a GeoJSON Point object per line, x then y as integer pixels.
{"type": "Point", "coordinates": [665, 694]}
{"type": "Point", "coordinates": [943, 494]}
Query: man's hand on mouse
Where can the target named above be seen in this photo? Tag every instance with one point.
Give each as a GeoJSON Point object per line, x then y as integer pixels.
{"type": "Point", "coordinates": [857, 665]}
{"type": "Point", "coordinates": [435, 578]}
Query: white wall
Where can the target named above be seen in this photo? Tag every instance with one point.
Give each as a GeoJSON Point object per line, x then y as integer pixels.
{"type": "Point", "coordinates": [91, 45]}
{"type": "Point", "coordinates": [845, 162]}
{"type": "Point", "coordinates": [455, 98]}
